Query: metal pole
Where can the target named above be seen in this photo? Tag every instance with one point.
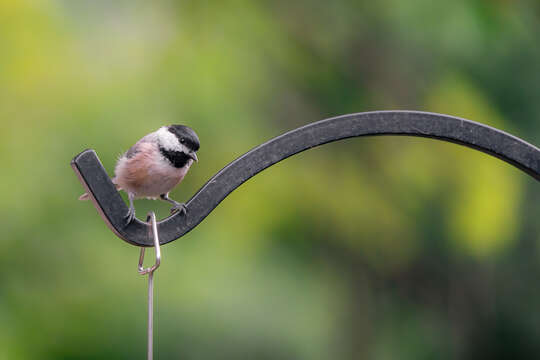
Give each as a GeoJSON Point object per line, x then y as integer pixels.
{"type": "Point", "coordinates": [151, 316]}
{"type": "Point", "coordinates": [151, 219]}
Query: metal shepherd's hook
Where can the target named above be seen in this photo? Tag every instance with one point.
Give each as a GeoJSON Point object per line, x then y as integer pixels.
{"type": "Point", "coordinates": [153, 233]}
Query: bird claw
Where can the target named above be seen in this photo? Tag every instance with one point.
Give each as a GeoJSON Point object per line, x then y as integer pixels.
{"type": "Point", "coordinates": [179, 207]}
{"type": "Point", "coordinates": [130, 216]}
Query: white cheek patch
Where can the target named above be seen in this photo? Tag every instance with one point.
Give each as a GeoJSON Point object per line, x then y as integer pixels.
{"type": "Point", "coordinates": [168, 140]}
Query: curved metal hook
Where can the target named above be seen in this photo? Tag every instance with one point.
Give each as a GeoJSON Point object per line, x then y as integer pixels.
{"type": "Point", "coordinates": [153, 234]}
{"type": "Point", "coordinates": [481, 137]}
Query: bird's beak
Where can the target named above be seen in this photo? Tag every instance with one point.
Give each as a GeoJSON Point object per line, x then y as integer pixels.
{"type": "Point", "coordinates": [193, 155]}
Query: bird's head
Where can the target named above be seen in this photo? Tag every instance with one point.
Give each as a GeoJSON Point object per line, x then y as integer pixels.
{"type": "Point", "coordinates": [179, 139]}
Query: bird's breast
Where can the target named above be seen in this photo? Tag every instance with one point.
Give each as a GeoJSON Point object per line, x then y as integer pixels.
{"type": "Point", "coordinates": [148, 173]}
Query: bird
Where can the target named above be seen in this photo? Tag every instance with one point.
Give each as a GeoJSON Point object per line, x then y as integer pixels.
{"type": "Point", "coordinates": [155, 165]}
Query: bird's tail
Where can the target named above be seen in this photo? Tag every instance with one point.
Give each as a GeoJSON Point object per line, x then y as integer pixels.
{"type": "Point", "coordinates": [86, 196]}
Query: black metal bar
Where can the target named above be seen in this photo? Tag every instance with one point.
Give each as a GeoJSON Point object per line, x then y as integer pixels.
{"type": "Point", "coordinates": [494, 142]}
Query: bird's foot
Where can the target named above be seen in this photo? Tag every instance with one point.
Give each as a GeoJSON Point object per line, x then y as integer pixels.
{"type": "Point", "coordinates": [179, 207]}
{"type": "Point", "coordinates": [130, 215]}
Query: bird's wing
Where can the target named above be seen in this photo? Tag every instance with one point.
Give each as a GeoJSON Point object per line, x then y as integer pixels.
{"type": "Point", "coordinates": [141, 144]}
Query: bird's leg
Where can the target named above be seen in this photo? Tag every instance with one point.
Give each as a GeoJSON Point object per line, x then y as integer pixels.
{"type": "Point", "coordinates": [131, 212]}
{"type": "Point", "coordinates": [177, 206]}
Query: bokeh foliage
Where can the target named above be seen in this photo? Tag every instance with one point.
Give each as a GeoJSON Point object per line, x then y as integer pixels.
{"type": "Point", "coordinates": [376, 248]}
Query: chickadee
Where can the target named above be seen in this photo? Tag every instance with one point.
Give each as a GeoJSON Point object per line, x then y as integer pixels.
{"type": "Point", "coordinates": [155, 165]}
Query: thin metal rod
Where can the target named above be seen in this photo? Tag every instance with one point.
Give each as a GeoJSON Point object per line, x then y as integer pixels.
{"type": "Point", "coordinates": [150, 316]}
{"type": "Point", "coordinates": [151, 219]}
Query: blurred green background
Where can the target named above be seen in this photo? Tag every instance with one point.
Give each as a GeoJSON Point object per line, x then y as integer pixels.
{"type": "Point", "coordinates": [371, 248]}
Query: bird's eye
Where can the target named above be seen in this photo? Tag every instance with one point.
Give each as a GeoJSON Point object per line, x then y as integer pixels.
{"type": "Point", "coordinates": [182, 140]}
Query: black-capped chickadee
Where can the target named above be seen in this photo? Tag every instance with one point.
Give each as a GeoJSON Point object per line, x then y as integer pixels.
{"type": "Point", "coordinates": [155, 165]}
